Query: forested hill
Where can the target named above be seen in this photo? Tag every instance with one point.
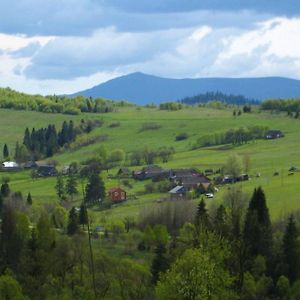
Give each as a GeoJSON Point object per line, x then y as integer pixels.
{"type": "Point", "coordinates": [144, 89]}
{"type": "Point", "coordinates": [217, 96]}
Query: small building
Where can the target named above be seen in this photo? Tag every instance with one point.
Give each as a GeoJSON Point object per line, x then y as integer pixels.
{"type": "Point", "coordinates": [274, 134]}
{"type": "Point", "coordinates": [46, 171]}
{"type": "Point", "coordinates": [10, 166]}
{"type": "Point", "coordinates": [151, 172]}
{"type": "Point", "coordinates": [30, 165]}
{"type": "Point", "coordinates": [117, 195]}
{"type": "Point", "coordinates": [178, 192]}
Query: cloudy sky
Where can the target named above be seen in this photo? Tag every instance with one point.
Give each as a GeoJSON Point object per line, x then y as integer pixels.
{"type": "Point", "coordinates": [62, 46]}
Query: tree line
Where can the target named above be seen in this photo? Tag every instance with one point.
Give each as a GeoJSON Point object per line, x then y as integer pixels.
{"type": "Point", "coordinates": [11, 99]}
{"type": "Point", "coordinates": [218, 96]}
{"type": "Point", "coordinates": [237, 136]}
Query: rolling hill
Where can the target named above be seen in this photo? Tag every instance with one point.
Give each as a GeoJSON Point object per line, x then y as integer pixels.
{"type": "Point", "coordinates": [142, 89]}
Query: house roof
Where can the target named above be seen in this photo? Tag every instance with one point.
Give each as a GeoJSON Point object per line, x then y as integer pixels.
{"type": "Point", "coordinates": [195, 180]}
{"type": "Point", "coordinates": [177, 189]}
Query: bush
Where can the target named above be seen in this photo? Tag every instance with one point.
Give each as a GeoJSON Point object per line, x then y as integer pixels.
{"type": "Point", "coordinates": [114, 125]}
{"type": "Point", "coordinates": [150, 126]}
{"type": "Point", "coordinates": [181, 137]}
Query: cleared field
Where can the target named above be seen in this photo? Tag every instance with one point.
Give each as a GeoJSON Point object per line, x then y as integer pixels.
{"type": "Point", "coordinates": [267, 156]}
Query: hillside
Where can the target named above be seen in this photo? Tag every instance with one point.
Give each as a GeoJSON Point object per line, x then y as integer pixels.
{"type": "Point", "coordinates": [142, 88]}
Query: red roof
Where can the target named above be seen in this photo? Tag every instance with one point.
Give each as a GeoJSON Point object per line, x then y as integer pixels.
{"type": "Point", "coordinates": [116, 190]}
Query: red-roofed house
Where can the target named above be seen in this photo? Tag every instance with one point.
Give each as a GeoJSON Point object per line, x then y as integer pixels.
{"type": "Point", "coordinates": [117, 194]}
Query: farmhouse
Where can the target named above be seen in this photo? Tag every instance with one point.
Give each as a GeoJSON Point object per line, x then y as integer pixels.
{"type": "Point", "coordinates": [274, 134]}
{"type": "Point", "coordinates": [151, 172]}
{"type": "Point", "coordinates": [117, 195]}
{"type": "Point", "coordinates": [46, 171]}
{"type": "Point", "coordinates": [177, 192]}
{"type": "Point", "coordinates": [189, 178]}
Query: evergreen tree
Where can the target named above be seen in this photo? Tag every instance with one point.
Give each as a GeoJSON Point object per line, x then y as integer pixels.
{"type": "Point", "coordinates": [27, 139]}
{"type": "Point", "coordinates": [83, 217]}
{"type": "Point", "coordinates": [257, 229]}
{"type": "Point", "coordinates": [291, 250]}
{"type": "Point", "coordinates": [29, 199]}
{"type": "Point", "coordinates": [60, 187]}
{"type": "Point", "coordinates": [95, 189]}
{"type": "Point", "coordinates": [5, 152]}
{"type": "Point", "coordinates": [17, 152]}
{"type": "Point", "coordinates": [160, 262]}
{"type": "Point", "coordinates": [73, 222]}
{"type": "Point", "coordinates": [71, 185]}
{"type": "Point", "coordinates": [202, 217]}
{"type": "Point", "coordinates": [220, 221]}
{"type": "Point", "coordinates": [5, 190]}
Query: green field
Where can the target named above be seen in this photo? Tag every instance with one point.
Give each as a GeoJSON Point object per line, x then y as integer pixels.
{"type": "Point", "coordinates": [267, 156]}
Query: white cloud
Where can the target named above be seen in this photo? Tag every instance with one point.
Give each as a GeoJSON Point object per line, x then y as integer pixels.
{"type": "Point", "coordinates": [68, 64]}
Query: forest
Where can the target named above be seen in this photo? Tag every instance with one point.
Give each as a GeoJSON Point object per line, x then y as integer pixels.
{"type": "Point", "coordinates": [233, 251]}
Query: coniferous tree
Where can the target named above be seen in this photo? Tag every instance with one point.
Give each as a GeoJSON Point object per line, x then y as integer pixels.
{"type": "Point", "coordinates": [291, 250]}
{"type": "Point", "coordinates": [160, 262]}
{"type": "Point", "coordinates": [72, 222]}
{"type": "Point", "coordinates": [83, 217]}
{"type": "Point", "coordinates": [71, 188]}
{"type": "Point", "coordinates": [202, 217]}
{"type": "Point", "coordinates": [27, 139]}
{"type": "Point", "coordinates": [5, 152]}
{"type": "Point", "coordinates": [95, 189]}
{"type": "Point", "coordinates": [257, 229]}
{"type": "Point", "coordinates": [220, 221]}
{"type": "Point", "coordinates": [60, 187]}
{"type": "Point", "coordinates": [5, 190]}
{"type": "Point", "coordinates": [29, 199]}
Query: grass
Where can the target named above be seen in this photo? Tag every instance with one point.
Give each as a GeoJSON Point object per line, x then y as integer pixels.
{"type": "Point", "coordinates": [266, 156]}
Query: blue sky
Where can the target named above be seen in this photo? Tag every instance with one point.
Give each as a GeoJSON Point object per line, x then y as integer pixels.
{"type": "Point", "coordinates": [62, 46]}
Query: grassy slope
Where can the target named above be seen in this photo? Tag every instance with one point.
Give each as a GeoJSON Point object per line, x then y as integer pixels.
{"type": "Point", "coordinates": [267, 156]}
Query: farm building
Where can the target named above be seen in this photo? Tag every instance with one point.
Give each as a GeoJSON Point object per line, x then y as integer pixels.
{"type": "Point", "coordinates": [151, 172]}
{"type": "Point", "coordinates": [117, 195]}
{"type": "Point", "coordinates": [274, 134]}
{"type": "Point", "coordinates": [46, 171]}
{"type": "Point", "coordinates": [177, 192]}
{"type": "Point", "coordinates": [10, 166]}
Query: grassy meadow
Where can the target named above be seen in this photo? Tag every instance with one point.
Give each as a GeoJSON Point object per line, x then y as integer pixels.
{"type": "Point", "coordinates": [267, 156]}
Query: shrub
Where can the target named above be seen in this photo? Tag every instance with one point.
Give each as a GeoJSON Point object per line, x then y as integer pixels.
{"type": "Point", "coordinates": [181, 137]}
{"type": "Point", "coordinates": [150, 126]}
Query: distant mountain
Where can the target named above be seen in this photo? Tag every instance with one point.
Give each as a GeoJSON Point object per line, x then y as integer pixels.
{"type": "Point", "coordinates": [141, 88]}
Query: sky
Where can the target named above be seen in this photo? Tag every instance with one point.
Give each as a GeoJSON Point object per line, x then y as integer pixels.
{"type": "Point", "coordinates": [64, 46]}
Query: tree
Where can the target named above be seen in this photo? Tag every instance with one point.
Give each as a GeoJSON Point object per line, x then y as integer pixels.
{"type": "Point", "coordinates": [233, 166]}
{"type": "Point", "coordinates": [202, 218]}
{"type": "Point", "coordinates": [10, 288]}
{"type": "Point", "coordinates": [5, 152]}
{"type": "Point", "coordinates": [160, 262]}
{"type": "Point", "coordinates": [29, 199]}
{"type": "Point", "coordinates": [71, 188]}
{"type": "Point", "coordinates": [72, 222]}
{"type": "Point", "coordinates": [196, 275]}
{"type": "Point", "coordinates": [83, 217]}
{"type": "Point", "coordinates": [117, 156]}
{"type": "Point", "coordinates": [5, 190]}
{"type": "Point", "coordinates": [95, 189]}
{"type": "Point", "coordinates": [60, 187]}
{"type": "Point", "coordinates": [247, 163]}
{"type": "Point", "coordinates": [257, 230]}
{"type": "Point", "coordinates": [283, 288]}
{"type": "Point", "coordinates": [291, 250]}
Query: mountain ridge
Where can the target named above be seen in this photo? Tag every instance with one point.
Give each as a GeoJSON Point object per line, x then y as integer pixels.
{"type": "Point", "coordinates": [141, 88]}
